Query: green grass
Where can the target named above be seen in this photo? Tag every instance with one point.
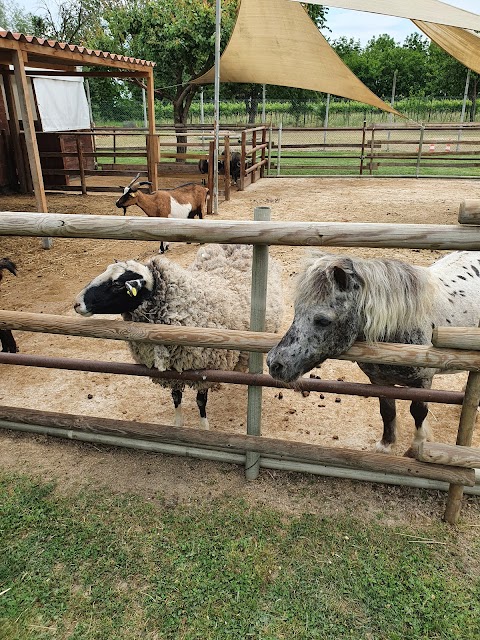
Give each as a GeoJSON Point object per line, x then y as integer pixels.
{"type": "Point", "coordinates": [96, 566]}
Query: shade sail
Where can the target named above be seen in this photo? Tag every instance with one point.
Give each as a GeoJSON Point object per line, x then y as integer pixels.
{"type": "Point", "coordinates": [459, 43]}
{"type": "Point", "coordinates": [427, 10]}
{"type": "Point", "coordinates": [275, 42]}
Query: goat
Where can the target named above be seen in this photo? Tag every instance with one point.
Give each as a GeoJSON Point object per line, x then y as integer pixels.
{"type": "Point", "coordinates": [6, 338]}
{"type": "Point", "coordinates": [214, 291]}
{"type": "Point", "coordinates": [186, 201]}
{"type": "Point", "coordinates": [235, 165]}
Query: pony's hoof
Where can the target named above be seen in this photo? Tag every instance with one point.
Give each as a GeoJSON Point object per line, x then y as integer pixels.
{"type": "Point", "coordinates": [381, 447]}
{"type": "Point", "coordinates": [410, 453]}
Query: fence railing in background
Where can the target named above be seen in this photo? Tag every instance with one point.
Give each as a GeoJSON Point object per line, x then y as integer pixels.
{"type": "Point", "coordinates": [377, 150]}
{"type": "Point", "coordinates": [92, 158]}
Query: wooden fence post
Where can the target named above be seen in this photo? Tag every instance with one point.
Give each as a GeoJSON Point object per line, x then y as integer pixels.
{"type": "Point", "coordinates": [257, 323]}
{"type": "Point", "coordinates": [226, 161]}
{"type": "Point", "coordinates": [464, 438]}
{"type": "Point", "coordinates": [81, 166]}
{"type": "Point", "coordinates": [420, 149]}
{"type": "Point", "coordinates": [211, 154]}
{"type": "Point", "coordinates": [362, 153]}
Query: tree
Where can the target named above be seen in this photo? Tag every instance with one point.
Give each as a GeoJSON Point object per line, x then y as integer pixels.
{"type": "Point", "coordinates": [75, 21]}
{"type": "Point", "coordinates": [178, 35]}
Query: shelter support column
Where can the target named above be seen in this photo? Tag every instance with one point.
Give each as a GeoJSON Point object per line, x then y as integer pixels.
{"type": "Point", "coordinates": [152, 140]}
{"type": "Point", "coordinates": [30, 136]}
{"type": "Point", "coordinates": [14, 130]}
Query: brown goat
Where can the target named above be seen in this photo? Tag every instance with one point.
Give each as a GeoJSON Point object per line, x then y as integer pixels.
{"type": "Point", "coordinates": [187, 201]}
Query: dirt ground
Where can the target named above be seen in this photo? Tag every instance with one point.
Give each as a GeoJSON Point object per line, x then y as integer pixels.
{"type": "Point", "coordinates": [48, 281]}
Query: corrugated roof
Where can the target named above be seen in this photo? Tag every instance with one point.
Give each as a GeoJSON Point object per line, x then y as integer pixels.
{"type": "Point", "coordinates": [74, 48]}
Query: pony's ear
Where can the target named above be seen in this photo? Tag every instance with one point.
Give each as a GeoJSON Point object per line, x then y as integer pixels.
{"type": "Point", "coordinates": [341, 277]}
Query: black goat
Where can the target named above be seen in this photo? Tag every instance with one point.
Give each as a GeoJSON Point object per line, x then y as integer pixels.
{"type": "Point", "coordinates": [235, 165]}
{"type": "Point", "coordinates": [6, 338]}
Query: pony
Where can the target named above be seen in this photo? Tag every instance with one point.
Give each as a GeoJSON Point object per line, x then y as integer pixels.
{"type": "Point", "coordinates": [342, 299]}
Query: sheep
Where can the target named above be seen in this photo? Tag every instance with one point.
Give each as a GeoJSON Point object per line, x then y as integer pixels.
{"type": "Point", "coordinates": [6, 338]}
{"type": "Point", "coordinates": [235, 165]}
{"type": "Point", "coordinates": [186, 201]}
{"type": "Point", "coordinates": [213, 291]}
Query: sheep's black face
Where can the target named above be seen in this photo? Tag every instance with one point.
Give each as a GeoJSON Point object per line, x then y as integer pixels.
{"type": "Point", "coordinates": [120, 289]}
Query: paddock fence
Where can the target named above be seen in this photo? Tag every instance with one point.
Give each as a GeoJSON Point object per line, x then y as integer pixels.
{"type": "Point", "coordinates": [91, 161]}
{"type": "Point", "coordinates": [252, 449]}
{"type": "Point", "coordinates": [380, 150]}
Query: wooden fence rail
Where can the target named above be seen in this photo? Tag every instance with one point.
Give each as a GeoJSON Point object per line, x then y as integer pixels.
{"type": "Point", "coordinates": [311, 234]}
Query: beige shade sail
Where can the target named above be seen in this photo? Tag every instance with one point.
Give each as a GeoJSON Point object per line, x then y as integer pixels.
{"type": "Point", "coordinates": [427, 10]}
{"type": "Point", "coordinates": [459, 43]}
{"type": "Point", "coordinates": [276, 42]}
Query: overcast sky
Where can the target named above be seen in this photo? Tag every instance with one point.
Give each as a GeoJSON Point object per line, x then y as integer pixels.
{"type": "Point", "coordinates": [351, 24]}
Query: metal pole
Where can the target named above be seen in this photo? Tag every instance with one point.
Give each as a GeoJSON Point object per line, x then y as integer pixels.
{"type": "Point", "coordinates": [216, 134]}
{"type": "Point", "coordinates": [464, 106]}
{"type": "Point", "coordinates": [257, 323]}
{"type": "Point", "coordinates": [325, 123]}
{"type": "Point", "coordinates": [202, 115]}
{"type": "Point", "coordinates": [392, 102]}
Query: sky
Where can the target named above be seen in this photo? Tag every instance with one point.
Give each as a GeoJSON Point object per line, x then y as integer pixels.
{"type": "Point", "coordinates": [363, 26]}
{"type": "Point", "coordinates": [351, 24]}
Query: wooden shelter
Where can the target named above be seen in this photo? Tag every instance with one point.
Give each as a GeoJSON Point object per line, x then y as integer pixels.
{"type": "Point", "coordinates": [60, 59]}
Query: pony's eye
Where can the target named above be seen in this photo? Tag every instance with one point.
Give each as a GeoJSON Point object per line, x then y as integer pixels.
{"type": "Point", "coordinates": [322, 321]}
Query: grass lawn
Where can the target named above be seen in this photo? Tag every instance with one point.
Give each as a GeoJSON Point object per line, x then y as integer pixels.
{"type": "Point", "coordinates": [97, 566]}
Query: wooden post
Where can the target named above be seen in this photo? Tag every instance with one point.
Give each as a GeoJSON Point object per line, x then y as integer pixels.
{"type": "Point", "coordinates": [243, 161]}
{"type": "Point", "coordinates": [464, 438]}
{"type": "Point", "coordinates": [420, 148]}
{"type": "Point", "coordinates": [263, 154]}
{"type": "Point", "coordinates": [254, 156]}
{"type": "Point", "coordinates": [226, 159]}
{"type": "Point", "coordinates": [372, 142]}
{"type": "Point", "coordinates": [15, 131]}
{"type": "Point", "coordinates": [362, 152]}
{"type": "Point", "coordinates": [257, 323]}
{"type": "Point", "coordinates": [30, 137]}
{"type": "Point", "coordinates": [152, 141]}
{"type": "Point", "coordinates": [81, 165]}
{"type": "Point", "coordinates": [210, 176]}
{"type": "Point", "coordinates": [279, 148]}
{"type": "Point", "coordinates": [469, 211]}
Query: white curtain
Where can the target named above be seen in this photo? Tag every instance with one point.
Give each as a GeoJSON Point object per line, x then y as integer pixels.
{"type": "Point", "coordinates": [62, 103]}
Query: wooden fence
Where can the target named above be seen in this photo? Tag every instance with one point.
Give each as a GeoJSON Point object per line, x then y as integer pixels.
{"type": "Point", "coordinates": [218, 445]}
{"type": "Point", "coordinates": [93, 157]}
{"type": "Point", "coordinates": [377, 150]}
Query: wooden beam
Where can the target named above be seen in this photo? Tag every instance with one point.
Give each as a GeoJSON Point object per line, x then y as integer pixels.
{"type": "Point", "coordinates": [152, 140]}
{"type": "Point", "coordinates": [13, 123]}
{"type": "Point", "coordinates": [449, 454]}
{"type": "Point", "coordinates": [468, 419]}
{"type": "Point", "coordinates": [469, 212]}
{"type": "Point", "coordinates": [320, 234]}
{"type": "Point", "coordinates": [349, 458]}
{"type": "Point", "coordinates": [30, 136]}
{"type": "Point", "coordinates": [457, 338]}
{"type": "Point", "coordinates": [71, 71]}
{"type": "Point", "coordinates": [381, 353]}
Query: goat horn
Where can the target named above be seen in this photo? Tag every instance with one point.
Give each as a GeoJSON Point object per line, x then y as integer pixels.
{"type": "Point", "coordinates": [134, 180]}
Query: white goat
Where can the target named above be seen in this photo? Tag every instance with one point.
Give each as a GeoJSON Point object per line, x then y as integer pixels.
{"type": "Point", "coordinates": [186, 201]}
{"type": "Point", "coordinates": [214, 292]}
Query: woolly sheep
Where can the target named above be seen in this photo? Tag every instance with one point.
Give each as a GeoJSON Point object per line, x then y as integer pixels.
{"type": "Point", "coordinates": [186, 201]}
{"type": "Point", "coordinates": [214, 292]}
{"type": "Point", "coordinates": [6, 338]}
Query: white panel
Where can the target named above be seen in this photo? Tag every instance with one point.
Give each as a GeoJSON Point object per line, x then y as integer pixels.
{"type": "Point", "coordinates": [62, 103]}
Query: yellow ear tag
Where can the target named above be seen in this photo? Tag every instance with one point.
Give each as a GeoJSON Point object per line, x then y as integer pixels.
{"type": "Point", "coordinates": [133, 292]}
{"type": "Point", "coordinates": [133, 194]}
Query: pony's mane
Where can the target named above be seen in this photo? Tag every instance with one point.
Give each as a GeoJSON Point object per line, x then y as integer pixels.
{"type": "Point", "coordinates": [393, 296]}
